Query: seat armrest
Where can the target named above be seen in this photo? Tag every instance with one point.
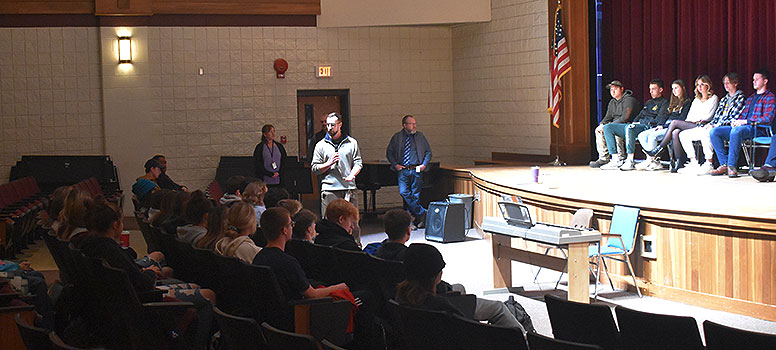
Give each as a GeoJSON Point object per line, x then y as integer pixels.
{"type": "Point", "coordinates": [311, 301]}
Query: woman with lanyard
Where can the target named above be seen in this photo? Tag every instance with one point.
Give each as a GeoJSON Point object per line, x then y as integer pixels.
{"type": "Point", "coordinates": [268, 157]}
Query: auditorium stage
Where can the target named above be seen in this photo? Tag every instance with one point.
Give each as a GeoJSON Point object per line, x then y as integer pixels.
{"type": "Point", "coordinates": [714, 237]}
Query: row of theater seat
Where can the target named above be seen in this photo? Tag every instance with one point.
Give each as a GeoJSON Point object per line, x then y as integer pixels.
{"type": "Point", "coordinates": [20, 202]}
{"type": "Point", "coordinates": [595, 324]}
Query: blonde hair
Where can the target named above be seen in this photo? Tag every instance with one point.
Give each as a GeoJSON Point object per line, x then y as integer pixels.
{"type": "Point", "coordinates": [292, 205]}
{"type": "Point", "coordinates": [75, 211]}
{"type": "Point", "coordinates": [240, 217]}
{"type": "Point", "coordinates": [704, 80]}
{"type": "Point", "coordinates": [254, 192]}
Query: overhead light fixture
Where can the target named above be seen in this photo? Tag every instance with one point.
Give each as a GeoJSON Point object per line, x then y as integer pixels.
{"type": "Point", "coordinates": [125, 49]}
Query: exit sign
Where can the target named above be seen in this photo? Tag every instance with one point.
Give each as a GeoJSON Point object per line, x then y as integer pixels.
{"type": "Point", "coordinates": [323, 72]}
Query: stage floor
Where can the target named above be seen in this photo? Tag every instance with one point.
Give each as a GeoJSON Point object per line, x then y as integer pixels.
{"type": "Point", "coordinates": [741, 197]}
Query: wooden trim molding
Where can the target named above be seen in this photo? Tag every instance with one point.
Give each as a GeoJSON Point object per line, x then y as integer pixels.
{"type": "Point", "coordinates": [161, 7]}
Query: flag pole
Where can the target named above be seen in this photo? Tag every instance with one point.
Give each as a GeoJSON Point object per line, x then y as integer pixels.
{"type": "Point", "coordinates": [557, 161]}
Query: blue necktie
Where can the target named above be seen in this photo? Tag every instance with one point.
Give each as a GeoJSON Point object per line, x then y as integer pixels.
{"type": "Point", "coordinates": [407, 151]}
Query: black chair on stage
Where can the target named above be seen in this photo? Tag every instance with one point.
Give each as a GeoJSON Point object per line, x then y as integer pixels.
{"type": "Point", "coordinates": [723, 337]}
{"type": "Point", "coordinates": [279, 339]}
{"type": "Point", "coordinates": [34, 338]}
{"type": "Point", "coordinates": [582, 323]}
{"type": "Point", "coordinates": [644, 330]}
{"type": "Point", "coordinates": [537, 341]}
{"type": "Point", "coordinates": [240, 333]}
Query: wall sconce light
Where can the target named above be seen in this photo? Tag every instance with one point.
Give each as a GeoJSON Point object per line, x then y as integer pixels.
{"type": "Point", "coordinates": [125, 49]}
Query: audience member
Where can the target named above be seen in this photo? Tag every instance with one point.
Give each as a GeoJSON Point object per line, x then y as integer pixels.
{"type": "Point", "coordinates": [155, 204]}
{"type": "Point", "coordinates": [277, 226]}
{"type": "Point", "coordinates": [304, 226]}
{"type": "Point", "coordinates": [164, 181]}
{"type": "Point", "coordinates": [729, 108]}
{"type": "Point", "coordinates": [73, 214]}
{"type": "Point", "coordinates": [196, 215]}
{"type": "Point", "coordinates": [240, 224]}
{"type": "Point", "coordinates": [701, 111]}
{"type": "Point", "coordinates": [292, 205]}
{"type": "Point", "coordinates": [254, 195]}
{"type": "Point", "coordinates": [423, 266]}
{"type": "Point", "coordinates": [105, 227]}
{"type": "Point", "coordinates": [232, 192]}
{"type": "Point", "coordinates": [176, 217]}
{"type": "Point", "coordinates": [275, 195]}
{"type": "Point", "coordinates": [336, 229]}
{"type": "Point", "coordinates": [50, 217]}
{"type": "Point", "coordinates": [678, 107]}
{"type": "Point", "coordinates": [758, 108]}
{"type": "Point", "coordinates": [216, 226]}
{"type": "Point", "coordinates": [269, 157]}
{"type": "Point", "coordinates": [621, 109]}
{"type": "Point", "coordinates": [147, 183]}
{"type": "Point", "coordinates": [653, 109]}
{"type": "Point", "coordinates": [397, 226]}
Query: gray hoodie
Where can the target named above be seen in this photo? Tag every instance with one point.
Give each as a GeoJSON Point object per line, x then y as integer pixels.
{"type": "Point", "coordinates": [241, 247]}
{"type": "Point", "coordinates": [350, 159]}
{"type": "Point", "coordinates": [616, 112]}
{"type": "Point", "coordinates": [191, 233]}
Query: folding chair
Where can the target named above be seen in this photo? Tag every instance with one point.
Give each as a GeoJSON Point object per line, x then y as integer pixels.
{"type": "Point", "coordinates": [620, 241]}
{"type": "Point", "coordinates": [762, 141]}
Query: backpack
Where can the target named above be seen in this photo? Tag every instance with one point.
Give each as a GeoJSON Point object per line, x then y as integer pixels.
{"type": "Point", "coordinates": [516, 309]}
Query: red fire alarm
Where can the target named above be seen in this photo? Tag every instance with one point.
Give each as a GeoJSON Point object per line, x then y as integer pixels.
{"type": "Point", "coordinates": [283, 139]}
{"type": "Point", "coordinates": [281, 66]}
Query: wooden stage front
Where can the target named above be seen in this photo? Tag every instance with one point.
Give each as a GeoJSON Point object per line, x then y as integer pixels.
{"type": "Point", "coordinates": [714, 237]}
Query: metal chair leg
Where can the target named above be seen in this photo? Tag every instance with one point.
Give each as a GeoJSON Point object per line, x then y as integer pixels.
{"type": "Point", "coordinates": [606, 271]}
{"type": "Point", "coordinates": [630, 269]}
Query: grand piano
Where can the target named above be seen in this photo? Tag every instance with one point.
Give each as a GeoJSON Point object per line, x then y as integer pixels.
{"type": "Point", "coordinates": [378, 174]}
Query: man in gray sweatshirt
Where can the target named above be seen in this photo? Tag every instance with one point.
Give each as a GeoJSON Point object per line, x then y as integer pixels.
{"type": "Point", "coordinates": [337, 159]}
{"type": "Point", "coordinates": [622, 107]}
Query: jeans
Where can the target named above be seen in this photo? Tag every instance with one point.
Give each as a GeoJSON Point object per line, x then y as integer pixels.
{"type": "Point", "coordinates": [770, 160]}
{"type": "Point", "coordinates": [628, 131]}
{"type": "Point", "coordinates": [650, 138]}
{"type": "Point", "coordinates": [735, 135]}
{"type": "Point", "coordinates": [410, 183]}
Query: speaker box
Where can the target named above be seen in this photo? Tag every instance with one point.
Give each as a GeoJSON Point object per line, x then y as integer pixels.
{"type": "Point", "coordinates": [445, 222]}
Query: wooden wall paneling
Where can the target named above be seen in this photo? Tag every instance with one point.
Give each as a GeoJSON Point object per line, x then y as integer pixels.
{"type": "Point", "coordinates": [50, 7]}
{"type": "Point", "coordinates": [235, 7]}
{"type": "Point", "coordinates": [573, 139]}
{"type": "Point", "coordinates": [123, 8]}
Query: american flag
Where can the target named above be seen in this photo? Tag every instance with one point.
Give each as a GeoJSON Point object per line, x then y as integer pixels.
{"type": "Point", "coordinates": [561, 64]}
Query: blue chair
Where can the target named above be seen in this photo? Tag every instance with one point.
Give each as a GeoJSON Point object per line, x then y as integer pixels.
{"type": "Point", "coordinates": [762, 141]}
{"type": "Point", "coordinates": [619, 244]}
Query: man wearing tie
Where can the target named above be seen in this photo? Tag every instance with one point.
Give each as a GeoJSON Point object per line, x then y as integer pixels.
{"type": "Point", "coordinates": [337, 159]}
{"type": "Point", "coordinates": [409, 154]}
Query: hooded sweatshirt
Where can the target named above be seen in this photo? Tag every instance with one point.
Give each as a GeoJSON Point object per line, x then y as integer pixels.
{"type": "Point", "coordinates": [191, 233]}
{"type": "Point", "coordinates": [229, 199]}
{"type": "Point", "coordinates": [241, 247]}
{"type": "Point", "coordinates": [333, 235]}
{"type": "Point", "coordinates": [616, 111]}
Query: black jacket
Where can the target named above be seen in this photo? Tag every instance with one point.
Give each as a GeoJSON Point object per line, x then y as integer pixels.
{"type": "Point", "coordinates": [654, 110]}
{"type": "Point", "coordinates": [164, 181]}
{"type": "Point", "coordinates": [107, 249]}
{"type": "Point", "coordinates": [681, 114]}
{"type": "Point", "coordinates": [333, 235]}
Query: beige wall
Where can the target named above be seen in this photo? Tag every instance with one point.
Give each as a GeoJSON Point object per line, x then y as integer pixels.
{"type": "Point", "coordinates": [50, 93]}
{"type": "Point", "coordinates": [501, 77]}
{"type": "Point", "coordinates": [475, 89]}
{"type": "Point", "coordinates": [348, 13]}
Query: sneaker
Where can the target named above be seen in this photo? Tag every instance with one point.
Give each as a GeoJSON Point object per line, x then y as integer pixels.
{"type": "Point", "coordinates": [655, 165]}
{"type": "Point", "coordinates": [690, 168]}
{"type": "Point", "coordinates": [705, 168]}
{"type": "Point", "coordinates": [599, 162]}
{"type": "Point", "coordinates": [643, 165]}
{"type": "Point", "coordinates": [627, 165]}
{"type": "Point", "coordinates": [613, 164]}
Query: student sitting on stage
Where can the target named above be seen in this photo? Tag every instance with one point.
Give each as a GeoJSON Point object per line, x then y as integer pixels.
{"type": "Point", "coordinates": [196, 215]}
{"type": "Point", "coordinates": [621, 109]}
{"type": "Point", "coordinates": [729, 108]}
{"type": "Point", "coordinates": [240, 224]}
{"type": "Point", "coordinates": [653, 110]}
{"type": "Point", "coordinates": [304, 225]}
{"type": "Point", "coordinates": [336, 229]}
{"type": "Point", "coordinates": [678, 107]}
{"type": "Point", "coordinates": [423, 266]}
{"type": "Point", "coordinates": [758, 108]}
{"type": "Point", "coordinates": [701, 111]}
